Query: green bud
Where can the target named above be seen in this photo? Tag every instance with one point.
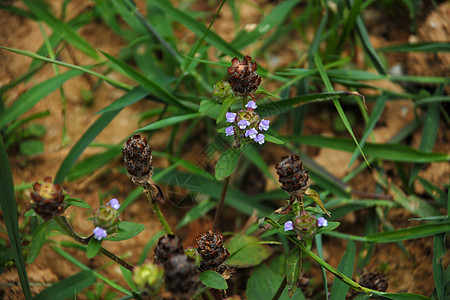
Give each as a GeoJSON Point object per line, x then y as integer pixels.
{"type": "Point", "coordinates": [148, 277]}
{"type": "Point", "coordinates": [222, 90]}
{"type": "Point", "coordinates": [305, 225]}
{"type": "Point", "coordinates": [107, 218]}
{"type": "Point", "coordinates": [193, 253]}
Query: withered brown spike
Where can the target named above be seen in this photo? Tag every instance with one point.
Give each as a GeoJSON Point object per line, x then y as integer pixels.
{"type": "Point", "coordinates": [242, 76]}
{"type": "Point", "coordinates": [211, 249]}
{"type": "Point", "coordinates": [292, 176]}
{"type": "Point", "coordinates": [181, 276]}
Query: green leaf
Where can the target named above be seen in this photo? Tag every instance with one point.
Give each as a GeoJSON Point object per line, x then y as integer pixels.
{"type": "Point", "coordinates": [403, 296]}
{"type": "Point", "coordinates": [439, 251]}
{"type": "Point", "coordinates": [339, 289]}
{"type": "Point", "coordinates": [9, 211]}
{"type": "Point", "coordinates": [123, 101]}
{"type": "Point", "coordinates": [330, 227]}
{"type": "Point", "coordinates": [127, 275]}
{"type": "Point", "coordinates": [213, 280]}
{"type": "Point", "coordinates": [169, 121]}
{"type": "Point", "coordinates": [272, 139]}
{"type": "Point", "coordinates": [199, 210]}
{"type": "Point", "coordinates": [76, 202]}
{"type": "Point", "coordinates": [264, 283]}
{"type": "Point", "coordinates": [246, 252]}
{"type": "Point", "coordinates": [224, 108]}
{"type": "Point", "coordinates": [418, 47]}
{"type": "Point", "coordinates": [70, 35]}
{"type": "Point", "coordinates": [146, 82]}
{"type": "Point", "coordinates": [27, 100]}
{"type": "Point", "coordinates": [91, 134]}
{"type": "Point", "coordinates": [227, 163]}
{"type": "Point", "coordinates": [37, 241]}
{"type": "Point", "coordinates": [293, 269]}
{"type": "Point", "coordinates": [30, 213]}
{"type": "Point", "coordinates": [67, 287]}
{"type": "Point", "coordinates": [31, 147]}
{"type": "Point", "coordinates": [209, 108]}
{"type": "Point", "coordinates": [413, 203]}
{"type": "Point", "coordinates": [93, 247]}
{"type": "Point", "coordinates": [126, 231]}
{"type": "Point", "coordinates": [316, 198]}
{"type": "Point", "coordinates": [392, 152]}
{"type": "Point", "coordinates": [415, 232]}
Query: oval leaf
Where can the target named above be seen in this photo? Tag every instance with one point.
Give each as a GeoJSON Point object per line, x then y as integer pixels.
{"type": "Point", "coordinates": [245, 252]}
{"type": "Point", "coordinates": [213, 280]}
{"type": "Point", "coordinates": [227, 163]}
{"type": "Point", "coordinates": [93, 248]}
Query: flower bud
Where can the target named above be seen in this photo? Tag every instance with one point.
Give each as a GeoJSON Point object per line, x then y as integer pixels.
{"type": "Point", "coordinates": [47, 199]}
{"type": "Point", "coordinates": [305, 224]}
{"type": "Point", "coordinates": [106, 218]}
{"type": "Point", "coordinates": [222, 90]}
{"type": "Point", "coordinates": [148, 277]}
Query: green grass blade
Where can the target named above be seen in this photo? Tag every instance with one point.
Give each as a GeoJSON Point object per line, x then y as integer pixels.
{"type": "Point", "coordinates": [91, 134]}
{"type": "Point", "coordinates": [376, 114]}
{"type": "Point", "coordinates": [70, 35]}
{"type": "Point", "coordinates": [197, 27]}
{"type": "Point", "coordinates": [400, 296]}
{"type": "Point", "coordinates": [121, 103]}
{"type": "Point", "coordinates": [68, 287]}
{"type": "Point", "coordinates": [27, 100]}
{"type": "Point", "coordinates": [273, 19]}
{"type": "Point", "coordinates": [9, 211]}
{"type": "Point", "coordinates": [432, 99]}
{"type": "Point", "coordinates": [410, 233]}
{"type": "Point", "coordinates": [339, 289]}
{"type": "Point", "coordinates": [169, 121]}
{"type": "Point", "coordinates": [83, 69]}
{"type": "Point", "coordinates": [349, 25]}
{"type": "Point", "coordinates": [418, 47]}
{"type": "Point", "coordinates": [392, 152]}
{"type": "Point", "coordinates": [439, 251]}
{"type": "Point", "coordinates": [329, 88]}
{"type": "Point", "coordinates": [146, 82]}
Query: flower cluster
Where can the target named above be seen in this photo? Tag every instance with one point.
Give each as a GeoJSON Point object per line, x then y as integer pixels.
{"type": "Point", "coordinates": [305, 224]}
{"type": "Point", "coordinates": [246, 124]}
{"type": "Point", "coordinates": [106, 219]}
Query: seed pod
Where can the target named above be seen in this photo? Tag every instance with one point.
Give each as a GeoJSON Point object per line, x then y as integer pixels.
{"type": "Point", "coordinates": [242, 76]}
{"type": "Point", "coordinates": [167, 246]}
{"type": "Point", "coordinates": [47, 199]}
{"type": "Point", "coordinates": [211, 249]}
{"type": "Point", "coordinates": [137, 156]}
{"type": "Point", "coordinates": [374, 281]}
{"type": "Point", "coordinates": [293, 177]}
{"type": "Point", "coordinates": [180, 276]}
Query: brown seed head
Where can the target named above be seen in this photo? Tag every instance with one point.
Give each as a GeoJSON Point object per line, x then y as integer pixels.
{"type": "Point", "coordinates": [293, 177]}
{"type": "Point", "coordinates": [167, 246]}
{"type": "Point", "coordinates": [242, 76]}
{"type": "Point", "coordinates": [47, 199]}
{"type": "Point", "coordinates": [137, 157]}
{"type": "Point", "coordinates": [211, 249]}
{"type": "Point", "coordinates": [180, 276]}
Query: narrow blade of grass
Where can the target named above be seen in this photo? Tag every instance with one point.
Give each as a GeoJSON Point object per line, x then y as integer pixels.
{"type": "Point", "coordinates": [439, 251]}
{"type": "Point", "coordinates": [9, 211]}
{"type": "Point", "coordinates": [169, 121]}
{"type": "Point", "coordinates": [418, 47]}
{"type": "Point", "coordinates": [339, 289]}
{"type": "Point", "coordinates": [67, 287]}
{"type": "Point", "coordinates": [91, 134]}
{"type": "Point", "coordinates": [415, 232]}
{"type": "Point", "coordinates": [71, 36]}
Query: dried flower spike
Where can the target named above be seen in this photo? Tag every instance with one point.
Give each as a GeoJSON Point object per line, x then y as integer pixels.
{"type": "Point", "coordinates": [167, 246]}
{"type": "Point", "coordinates": [211, 249]}
{"type": "Point", "coordinates": [242, 76]}
{"type": "Point", "coordinates": [293, 177]}
{"type": "Point", "coordinates": [181, 276]}
{"type": "Point", "coordinates": [137, 157]}
{"type": "Point", "coordinates": [47, 199]}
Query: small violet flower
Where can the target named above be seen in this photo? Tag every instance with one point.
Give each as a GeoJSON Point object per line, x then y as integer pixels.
{"type": "Point", "coordinates": [259, 139]}
{"type": "Point", "coordinates": [230, 117]}
{"type": "Point", "coordinates": [243, 124]}
{"type": "Point", "coordinates": [251, 133]}
{"type": "Point", "coordinates": [288, 226]}
{"type": "Point", "coordinates": [114, 203]}
{"type": "Point", "coordinates": [99, 233]}
{"type": "Point", "coordinates": [264, 124]}
{"type": "Point", "coordinates": [229, 131]}
{"type": "Point", "coordinates": [251, 104]}
{"type": "Point", "coordinates": [321, 222]}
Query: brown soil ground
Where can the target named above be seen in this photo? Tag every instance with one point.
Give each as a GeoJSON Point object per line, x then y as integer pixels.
{"type": "Point", "coordinates": [406, 273]}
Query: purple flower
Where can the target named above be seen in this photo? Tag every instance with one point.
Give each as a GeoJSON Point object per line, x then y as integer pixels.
{"type": "Point", "coordinates": [321, 222]}
{"type": "Point", "coordinates": [230, 117]}
{"type": "Point", "coordinates": [251, 133]}
{"type": "Point", "coordinates": [229, 131]}
{"type": "Point", "coordinates": [243, 124]}
{"type": "Point", "coordinates": [288, 226]}
{"type": "Point", "coordinates": [99, 233]}
{"type": "Point", "coordinates": [251, 104]}
{"type": "Point", "coordinates": [264, 124]}
{"type": "Point", "coordinates": [114, 203]}
{"type": "Point", "coordinates": [259, 139]}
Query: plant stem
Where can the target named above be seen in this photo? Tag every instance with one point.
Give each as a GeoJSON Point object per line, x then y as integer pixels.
{"type": "Point", "coordinates": [280, 289]}
{"type": "Point", "coordinates": [219, 208]}
{"type": "Point", "coordinates": [156, 210]}
{"type": "Point", "coordinates": [62, 221]}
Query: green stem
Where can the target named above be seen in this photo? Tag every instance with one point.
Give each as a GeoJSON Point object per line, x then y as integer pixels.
{"type": "Point", "coordinates": [280, 289]}
{"type": "Point", "coordinates": [62, 222]}
{"type": "Point", "coordinates": [219, 208]}
{"type": "Point", "coordinates": [156, 210]}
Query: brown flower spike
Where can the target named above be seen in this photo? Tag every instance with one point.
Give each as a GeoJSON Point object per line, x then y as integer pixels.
{"type": "Point", "coordinates": [293, 177]}
{"type": "Point", "coordinates": [211, 249]}
{"type": "Point", "coordinates": [242, 76]}
{"type": "Point", "coordinates": [47, 199]}
{"type": "Point", "coordinates": [181, 276]}
{"type": "Point", "coordinates": [167, 246]}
